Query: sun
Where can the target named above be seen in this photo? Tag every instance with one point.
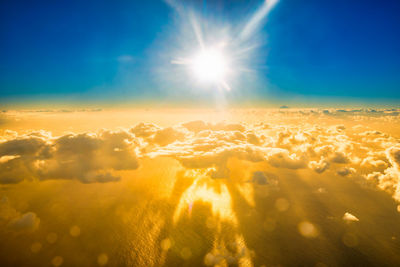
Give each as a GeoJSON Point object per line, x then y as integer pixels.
{"type": "Point", "coordinates": [210, 65]}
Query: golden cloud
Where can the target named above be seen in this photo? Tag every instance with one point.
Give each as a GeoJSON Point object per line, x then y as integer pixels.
{"type": "Point", "coordinates": [98, 156]}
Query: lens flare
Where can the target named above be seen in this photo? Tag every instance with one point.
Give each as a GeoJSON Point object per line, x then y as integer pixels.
{"type": "Point", "coordinates": [227, 53]}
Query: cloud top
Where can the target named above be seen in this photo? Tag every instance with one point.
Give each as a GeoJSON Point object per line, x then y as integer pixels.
{"type": "Point", "coordinates": [337, 150]}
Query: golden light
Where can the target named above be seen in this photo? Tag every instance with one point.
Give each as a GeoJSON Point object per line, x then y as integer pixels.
{"type": "Point", "coordinates": [202, 190]}
{"type": "Point", "coordinates": [210, 65]}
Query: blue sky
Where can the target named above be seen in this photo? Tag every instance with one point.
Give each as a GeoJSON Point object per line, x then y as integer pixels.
{"type": "Point", "coordinates": [92, 51]}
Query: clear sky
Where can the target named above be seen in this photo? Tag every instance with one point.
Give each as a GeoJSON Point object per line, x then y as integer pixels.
{"type": "Point", "coordinates": [99, 51]}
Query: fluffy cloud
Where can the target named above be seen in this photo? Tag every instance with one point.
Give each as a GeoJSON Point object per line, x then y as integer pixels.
{"type": "Point", "coordinates": [86, 157]}
{"type": "Point", "coordinates": [319, 166]}
{"type": "Point", "coordinates": [283, 159]}
{"type": "Point", "coordinates": [211, 145]}
{"type": "Point", "coordinates": [11, 219]}
{"type": "Point", "coordinates": [389, 179]}
{"type": "Point", "coordinates": [334, 146]}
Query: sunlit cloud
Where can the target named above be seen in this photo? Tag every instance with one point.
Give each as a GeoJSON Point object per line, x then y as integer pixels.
{"type": "Point", "coordinates": [206, 191]}
{"type": "Point", "coordinates": [348, 217]}
{"type": "Point", "coordinates": [198, 145]}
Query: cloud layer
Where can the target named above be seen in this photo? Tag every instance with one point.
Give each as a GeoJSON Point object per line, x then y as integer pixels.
{"type": "Point", "coordinates": [350, 149]}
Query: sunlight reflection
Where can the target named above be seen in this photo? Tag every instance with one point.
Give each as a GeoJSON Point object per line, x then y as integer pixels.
{"type": "Point", "coordinates": [229, 246]}
{"type": "Point", "coordinates": [247, 191]}
{"type": "Point", "coordinates": [226, 254]}
{"type": "Point", "coordinates": [204, 189]}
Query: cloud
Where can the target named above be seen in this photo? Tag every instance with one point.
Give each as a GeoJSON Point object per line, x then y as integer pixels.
{"type": "Point", "coordinates": [339, 157]}
{"type": "Point", "coordinates": [389, 179]}
{"type": "Point", "coordinates": [283, 159]}
{"type": "Point", "coordinates": [197, 126]}
{"type": "Point", "coordinates": [26, 222]}
{"type": "Point", "coordinates": [167, 136]}
{"type": "Point", "coordinates": [11, 219]}
{"type": "Point", "coordinates": [393, 155]}
{"type": "Point", "coordinates": [25, 146]}
{"type": "Point", "coordinates": [348, 217]}
{"type": "Point", "coordinates": [211, 145]}
{"type": "Point", "coordinates": [5, 159]}
{"type": "Point", "coordinates": [21, 153]}
{"type": "Point", "coordinates": [345, 171]}
{"type": "Point", "coordinates": [361, 112]}
{"type": "Point", "coordinates": [324, 148]}
{"type": "Point", "coordinates": [374, 162]}
{"type": "Point", "coordinates": [268, 161]}
{"type": "Point", "coordinates": [259, 178]}
{"type": "Point", "coordinates": [88, 157]}
{"type": "Point", "coordinates": [319, 166]}
{"type": "Point", "coordinates": [144, 129]}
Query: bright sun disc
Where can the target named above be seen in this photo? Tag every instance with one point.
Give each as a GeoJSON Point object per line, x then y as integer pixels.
{"type": "Point", "coordinates": [209, 66]}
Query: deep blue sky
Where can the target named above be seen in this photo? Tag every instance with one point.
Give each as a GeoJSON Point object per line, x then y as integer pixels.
{"type": "Point", "coordinates": [108, 50]}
